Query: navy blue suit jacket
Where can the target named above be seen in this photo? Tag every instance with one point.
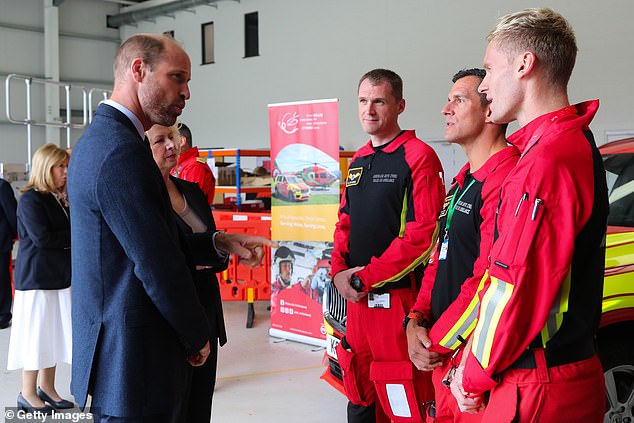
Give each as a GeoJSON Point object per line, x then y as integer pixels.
{"type": "Point", "coordinates": [8, 223]}
{"type": "Point", "coordinates": [136, 314]}
{"type": "Point", "coordinates": [43, 260]}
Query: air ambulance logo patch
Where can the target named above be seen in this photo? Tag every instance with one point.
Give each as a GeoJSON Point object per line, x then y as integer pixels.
{"type": "Point", "coordinates": [354, 176]}
{"type": "Point", "coordinates": [445, 206]}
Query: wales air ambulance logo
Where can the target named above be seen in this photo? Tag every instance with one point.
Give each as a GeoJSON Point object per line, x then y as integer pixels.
{"type": "Point", "coordinates": [354, 176]}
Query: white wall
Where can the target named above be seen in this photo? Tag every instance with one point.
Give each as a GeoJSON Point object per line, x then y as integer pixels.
{"type": "Point", "coordinates": [312, 50]}
{"type": "Point", "coordinates": [86, 50]}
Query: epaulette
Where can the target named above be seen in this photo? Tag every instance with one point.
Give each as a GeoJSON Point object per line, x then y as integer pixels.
{"type": "Point", "coordinates": [201, 160]}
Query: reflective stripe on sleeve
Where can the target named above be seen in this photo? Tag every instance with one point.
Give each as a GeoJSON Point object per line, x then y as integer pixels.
{"type": "Point", "coordinates": [493, 304]}
{"type": "Point", "coordinates": [422, 259]}
{"type": "Point", "coordinates": [556, 314]}
{"type": "Point", "coordinates": [465, 324]}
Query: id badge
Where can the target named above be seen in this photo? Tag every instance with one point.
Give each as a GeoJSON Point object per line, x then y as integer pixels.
{"type": "Point", "coordinates": [442, 255]}
{"type": "Point", "coordinates": [379, 300]}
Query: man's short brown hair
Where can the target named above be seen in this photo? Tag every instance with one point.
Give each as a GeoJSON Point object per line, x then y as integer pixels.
{"type": "Point", "coordinates": [149, 47]}
{"type": "Point", "coordinates": [377, 76]}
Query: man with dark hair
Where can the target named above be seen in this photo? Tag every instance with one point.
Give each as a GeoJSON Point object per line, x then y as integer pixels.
{"type": "Point", "coordinates": [193, 168]}
{"type": "Point", "coordinates": [444, 313]}
{"type": "Point", "coordinates": [382, 241]}
{"type": "Point", "coordinates": [8, 234]}
{"type": "Point", "coordinates": [534, 342]}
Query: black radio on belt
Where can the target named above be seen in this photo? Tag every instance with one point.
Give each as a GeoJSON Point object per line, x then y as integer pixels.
{"type": "Point", "coordinates": [356, 283]}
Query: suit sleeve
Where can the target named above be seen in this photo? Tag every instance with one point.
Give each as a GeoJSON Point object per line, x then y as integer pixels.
{"type": "Point", "coordinates": [203, 251]}
{"type": "Point", "coordinates": [35, 220]}
{"type": "Point", "coordinates": [9, 206]}
{"type": "Point", "coordinates": [412, 248]}
{"type": "Point", "coordinates": [529, 272]}
{"type": "Point", "coordinates": [138, 213]}
{"type": "Point", "coordinates": [201, 245]}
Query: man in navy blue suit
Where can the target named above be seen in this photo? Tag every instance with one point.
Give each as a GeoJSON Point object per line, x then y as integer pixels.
{"type": "Point", "coordinates": [8, 233]}
{"type": "Point", "coordinates": [137, 320]}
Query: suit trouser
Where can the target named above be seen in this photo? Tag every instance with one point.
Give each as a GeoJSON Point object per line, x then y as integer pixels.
{"type": "Point", "coordinates": [5, 286]}
{"type": "Point", "coordinates": [202, 379]}
{"type": "Point", "coordinates": [574, 392]}
{"type": "Point", "coordinates": [446, 407]}
{"type": "Point", "coordinates": [377, 370]}
{"type": "Point", "coordinates": [201, 388]}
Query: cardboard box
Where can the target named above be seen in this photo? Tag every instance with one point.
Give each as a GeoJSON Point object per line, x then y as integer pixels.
{"type": "Point", "coordinates": [226, 175]}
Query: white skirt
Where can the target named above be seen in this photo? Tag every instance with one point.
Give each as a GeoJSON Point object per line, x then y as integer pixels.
{"type": "Point", "coordinates": [41, 332]}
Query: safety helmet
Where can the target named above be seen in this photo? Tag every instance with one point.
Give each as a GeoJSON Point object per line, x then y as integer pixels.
{"type": "Point", "coordinates": [283, 254]}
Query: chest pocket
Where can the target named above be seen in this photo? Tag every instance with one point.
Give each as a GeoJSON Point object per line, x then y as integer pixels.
{"type": "Point", "coordinates": [524, 215]}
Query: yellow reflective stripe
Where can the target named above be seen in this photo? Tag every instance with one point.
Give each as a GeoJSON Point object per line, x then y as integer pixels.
{"type": "Point", "coordinates": [556, 314]}
{"type": "Point", "coordinates": [401, 231]}
{"type": "Point", "coordinates": [465, 324]}
{"type": "Point", "coordinates": [422, 259]}
{"type": "Point", "coordinates": [493, 304]}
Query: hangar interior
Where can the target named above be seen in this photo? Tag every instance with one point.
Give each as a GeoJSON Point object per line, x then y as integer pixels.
{"type": "Point", "coordinates": [247, 54]}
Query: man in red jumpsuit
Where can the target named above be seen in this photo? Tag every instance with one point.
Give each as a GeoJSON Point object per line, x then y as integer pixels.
{"type": "Point", "coordinates": [534, 343]}
{"type": "Point", "coordinates": [382, 241]}
{"type": "Point", "coordinates": [192, 168]}
{"type": "Point", "coordinates": [444, 312]}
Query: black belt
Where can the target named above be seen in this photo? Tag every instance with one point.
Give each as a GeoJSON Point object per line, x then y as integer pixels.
{"type": "Point", "coordinates": [557, 356]}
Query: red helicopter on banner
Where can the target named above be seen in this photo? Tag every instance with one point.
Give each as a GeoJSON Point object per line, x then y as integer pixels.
{"type": "Point", "coordinates": [317, 176]}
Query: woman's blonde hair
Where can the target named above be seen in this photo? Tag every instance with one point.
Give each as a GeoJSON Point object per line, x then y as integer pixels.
{"type": "Point", "coordinates": [41, 176]}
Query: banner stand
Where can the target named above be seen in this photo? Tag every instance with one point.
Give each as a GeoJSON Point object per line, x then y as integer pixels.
{"type": "Point", "coordinates": [276, 333]}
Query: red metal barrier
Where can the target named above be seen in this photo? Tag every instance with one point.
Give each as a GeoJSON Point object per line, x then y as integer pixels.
{"type": "Point", "coordinates": [238, 278]}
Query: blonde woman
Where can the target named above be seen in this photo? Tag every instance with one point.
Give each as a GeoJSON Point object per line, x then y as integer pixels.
{"type": "Point", "coordinates": [41, 332]}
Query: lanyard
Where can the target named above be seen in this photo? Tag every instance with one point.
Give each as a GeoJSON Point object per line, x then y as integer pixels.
{"type": "Point", "coordinates": [453, 204]}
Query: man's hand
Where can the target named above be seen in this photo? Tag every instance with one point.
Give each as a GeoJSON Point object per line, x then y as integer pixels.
{"type": "Point", "coordinates": [248, 248]}
{"type": "Point", "coordinates": [417, 343]}
{"type": "Point", "coordinates": [342, 283]}
{"type": "Point", "coordinates": [200, 357]}
{"type": "Point", "coordinates": [467, 402]}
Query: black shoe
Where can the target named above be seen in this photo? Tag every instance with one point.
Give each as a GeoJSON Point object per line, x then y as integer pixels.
{"type": "Point", "coordinates": [24, 405]}
{"type": "Point", "coordinates": [58, 405]}
{"type": "Point", "coordinates": [5, 323]}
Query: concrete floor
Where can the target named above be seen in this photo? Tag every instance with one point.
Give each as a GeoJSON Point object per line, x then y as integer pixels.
{"type": "Point", "coordinates": [260, 379]}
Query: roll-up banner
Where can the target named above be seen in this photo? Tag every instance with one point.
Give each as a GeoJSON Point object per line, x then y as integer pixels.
{"type": "Point", "coordinates": [305, 198]}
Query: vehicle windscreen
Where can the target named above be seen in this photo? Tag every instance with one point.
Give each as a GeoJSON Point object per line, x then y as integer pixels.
{"type": "Point", "coordinates": [620, 177]}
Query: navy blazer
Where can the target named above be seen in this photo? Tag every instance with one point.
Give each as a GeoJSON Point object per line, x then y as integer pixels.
{"type": "Point", "coordinates": [201, 252]}
{"type": "Point", "coordinates": [8, 221]}
{"type": "Point", "coordinates": [43, 260]}
{"type": "Point", "coordinates": [136, 315]}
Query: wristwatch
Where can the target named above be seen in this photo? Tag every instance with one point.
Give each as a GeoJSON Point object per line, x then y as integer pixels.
{"type": "Point", "coordinates": [416, 316]}
{"type": "Point", "coordinates": [356, 283]}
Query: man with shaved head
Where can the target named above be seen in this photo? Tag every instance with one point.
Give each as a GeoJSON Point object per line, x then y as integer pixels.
{"type": "Point", "coordinates": [137, 321]}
